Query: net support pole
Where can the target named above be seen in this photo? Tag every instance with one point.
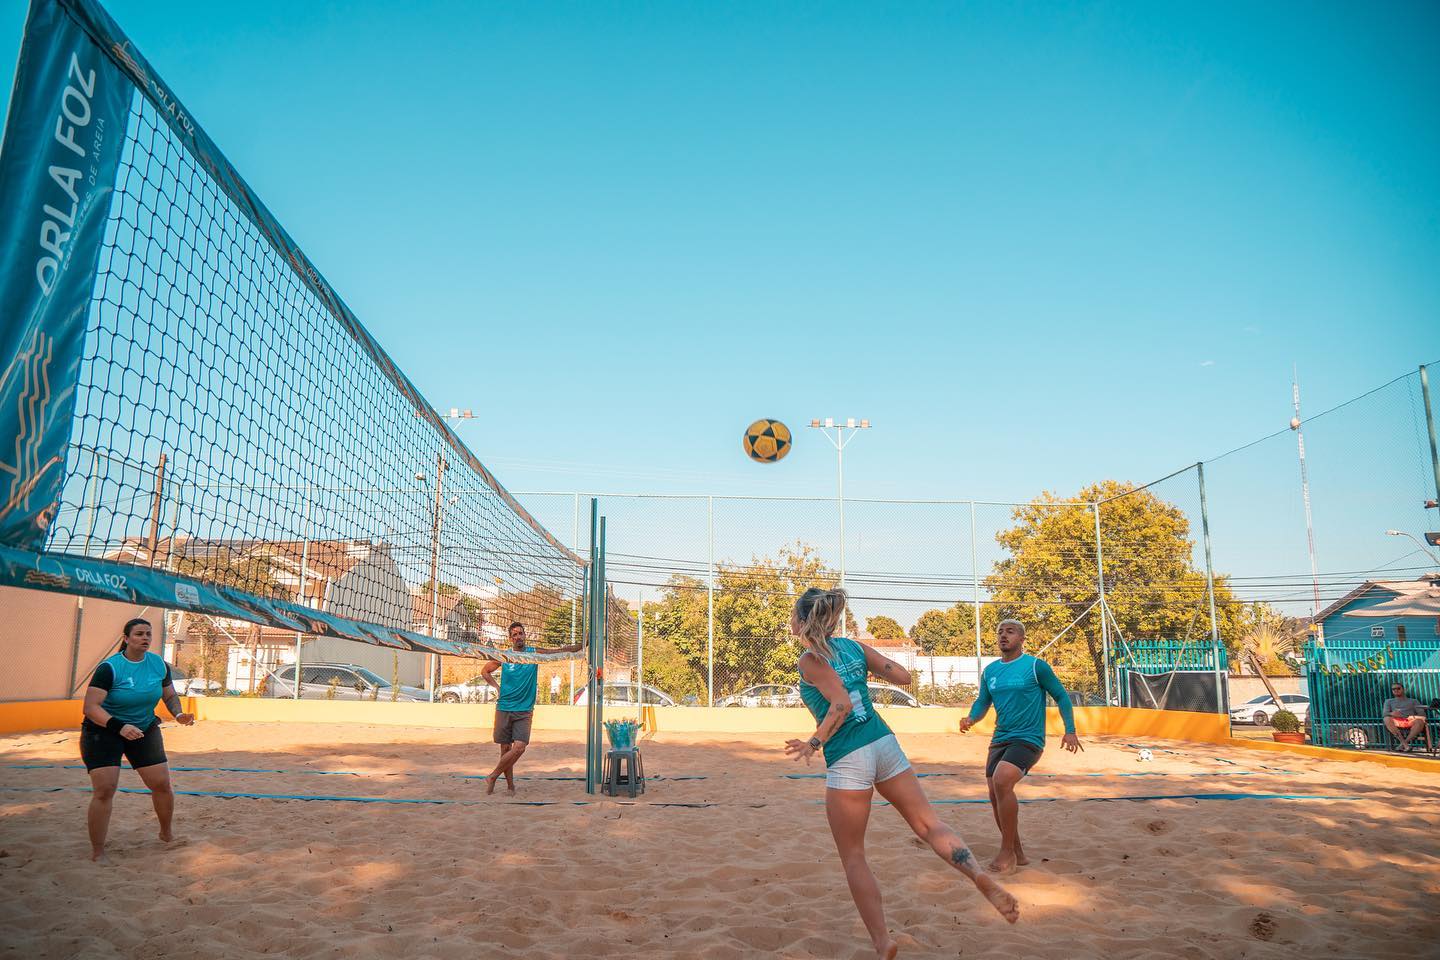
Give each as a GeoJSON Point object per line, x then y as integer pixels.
{"type": "Point", "coordinates": [975, 594]}
{"type": "Point", "coordinates": [640, 657]}
{"type": "Point", "coordinates": [710, 606]}
{"type": "Point", "coordinates": [1100, 586]}
{"type": "Point", "coordinates": [1430, 424]}
{"type": "Point", "coordinates": [1220, 705]}
{"type": "Point", "coordinates": [592, 635]}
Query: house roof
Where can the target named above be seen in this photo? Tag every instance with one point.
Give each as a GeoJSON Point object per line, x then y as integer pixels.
{"type": "Point", "coordinates": [321, 559]}
{"type": "Point", "coordinates": [420, 600]}
{"type": "Point", "coordinates": [1403, 588]}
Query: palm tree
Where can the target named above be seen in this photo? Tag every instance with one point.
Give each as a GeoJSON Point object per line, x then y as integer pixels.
{"type": "Point", "coordinates": [1271, 638]}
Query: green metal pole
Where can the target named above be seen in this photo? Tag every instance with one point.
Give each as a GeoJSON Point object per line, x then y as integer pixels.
{"type": "Point", "coordinates": [1430, 422]}
{"type": "Point", "coordinates": [592, 761]}
{"type": "Point", "coordinates": [1220, 705]}
{"type": "Point", "coordinates": [1104, 618]}
{"type": "Point", "coordinates": [602, 603]}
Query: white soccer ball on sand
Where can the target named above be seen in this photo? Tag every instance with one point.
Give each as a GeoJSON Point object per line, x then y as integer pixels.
{"type": "Point", "coordinates": [1145, 756]}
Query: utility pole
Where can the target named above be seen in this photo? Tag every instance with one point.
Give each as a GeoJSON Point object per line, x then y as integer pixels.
{"type": "Point", "coordinates": [155, 510]}
{"type": "Point", "coordinates": [1295, 422]}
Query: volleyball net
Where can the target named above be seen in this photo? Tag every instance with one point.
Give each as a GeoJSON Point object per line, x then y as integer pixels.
{"type": "Point", "coordinates": [192, 418]}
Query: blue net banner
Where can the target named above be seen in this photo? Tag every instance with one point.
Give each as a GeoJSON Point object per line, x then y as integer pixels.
{"type": "Point", "coordinates": [57, 176]}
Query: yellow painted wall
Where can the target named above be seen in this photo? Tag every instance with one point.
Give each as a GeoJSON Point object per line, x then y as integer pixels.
{"type": "Point", "coordinates": [1422, 764]}
{"type": "Point", "coordinates": [39, 715]}
{"type": "Point", "coordinates": [1089, 721]}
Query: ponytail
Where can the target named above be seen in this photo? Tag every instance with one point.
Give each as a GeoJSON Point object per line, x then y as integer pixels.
{"type": "Point", "coordinates": [819, 613]}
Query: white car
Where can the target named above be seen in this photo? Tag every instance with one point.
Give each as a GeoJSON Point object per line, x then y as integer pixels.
{"type": "Point", "coordinates": [1260, 709]}
{"type": "Point", "coordinates": [626, 694]}
{"type": "Point", "coordinates": [188, 686]}
{"type": "Point", "coordinates": [474, 690]}
{"type": "Point", "coordinates": [764, 695]}
{"type": "Point", "coordinates": [884, 695]}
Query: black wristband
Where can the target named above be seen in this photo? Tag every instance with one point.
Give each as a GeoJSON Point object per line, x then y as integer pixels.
{"type": "Point", "coordinates": [114, 724]}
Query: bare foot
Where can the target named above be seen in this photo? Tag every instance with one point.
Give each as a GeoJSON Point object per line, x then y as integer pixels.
{"type": "Point", "coordinates": [166, 835]}
{"type": "Point", "coordinates": [998, 896]}
{"type": "Point", "coordinates": [888, 951]}
{"type": "Point", "coordinates": [490, 784]}
{"type": "Point", "coordinates": [1003, 863]}
{"type": "Point", "coordinates": [510, 789]}
{"type": "Point", "coordinates": [97, 854]}
{"type": "Point", "coordinates": [1020, 859]}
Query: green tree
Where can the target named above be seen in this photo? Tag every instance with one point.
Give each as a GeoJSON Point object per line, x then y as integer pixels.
{"type": "Point", "coordinates": [951, 632]}
{"type": "Point", "coordinates": [753, 643]}
{"type": "Point", "coordinates": [882, 627]}
{"type": "Point", "coordinates": [1152, 586]}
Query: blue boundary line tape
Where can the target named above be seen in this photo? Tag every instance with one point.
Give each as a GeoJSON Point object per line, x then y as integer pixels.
{"type": "Point", "coordinates": [336, 798]}
{"type": "Point", "coordinates": [1207, 773]}
{"type": "Point", "coordinates": [322, 773]}
{"type": "Point", "coordinates": [1152, 796]}
{"type": "Point", "coordinates": [326, 798]}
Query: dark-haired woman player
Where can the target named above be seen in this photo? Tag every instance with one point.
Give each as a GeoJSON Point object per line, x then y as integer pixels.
{"type": "Point", "coordinates": [862, 756]}
{"type": "Point", "coordinates": [120, 721]}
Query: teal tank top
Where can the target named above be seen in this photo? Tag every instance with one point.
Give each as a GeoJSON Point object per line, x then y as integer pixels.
{"type": "Point", "coordinates": [134, 688]}
{"type": "Point", "coordinates": [517, 686]}
{"type": "Point", "coordinates": [863, 726]}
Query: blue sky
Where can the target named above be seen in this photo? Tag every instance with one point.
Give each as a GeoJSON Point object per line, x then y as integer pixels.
{"type": "Point", "coordinates": [1037, 246]}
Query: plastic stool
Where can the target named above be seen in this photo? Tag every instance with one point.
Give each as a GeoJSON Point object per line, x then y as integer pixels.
{"type": "Point", "coordinates": [634, 779]}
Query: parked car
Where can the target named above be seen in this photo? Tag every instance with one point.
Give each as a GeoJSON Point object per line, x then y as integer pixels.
{"type": "Point", "coordinates": [884, 695]}
{"type": "Point", "coordinates": [188, 686]}
{"type": "Point", "coordinates": [1259, 710]}
{"type": "Point", "coordinates": [626, 694]}
{"type": "Point", "coordinates": [348, 681]}
{"type": "Point", "coordinates": [474, 690]}
{"type": "Point", "coordinates": [764, 695]}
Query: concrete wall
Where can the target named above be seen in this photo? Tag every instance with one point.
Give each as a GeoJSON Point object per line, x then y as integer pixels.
{"type": "Point", "coordinates": [39, 643]}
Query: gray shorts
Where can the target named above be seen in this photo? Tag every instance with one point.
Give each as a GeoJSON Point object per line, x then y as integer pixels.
{"type": "Point", "coordinates": [512, 725]}
{"type": "Point", "coordinates": [871, 764]}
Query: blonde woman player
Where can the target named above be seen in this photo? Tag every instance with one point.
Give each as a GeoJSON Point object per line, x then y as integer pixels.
{"type": "Point", "coordinates": [862, 756]}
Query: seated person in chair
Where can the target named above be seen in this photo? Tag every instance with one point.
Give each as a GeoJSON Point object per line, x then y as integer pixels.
{"type": "Point", "coordinates": [1404, 716]}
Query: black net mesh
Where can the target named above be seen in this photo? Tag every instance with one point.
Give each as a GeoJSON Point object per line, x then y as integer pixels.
{"type": "Point", "coordinates": [231, 428]}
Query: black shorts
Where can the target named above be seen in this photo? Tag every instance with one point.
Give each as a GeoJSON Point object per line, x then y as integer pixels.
{"type": "Point", "coordinates": [512, 725]}
{"type": "Point", "coordinates": [100, 747]}
{"type": "Point", "coordinates": [1021, 754]}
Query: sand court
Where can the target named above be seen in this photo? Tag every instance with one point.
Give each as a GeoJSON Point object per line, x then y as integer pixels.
{"type": "Point", "coordinates": [727, 854]}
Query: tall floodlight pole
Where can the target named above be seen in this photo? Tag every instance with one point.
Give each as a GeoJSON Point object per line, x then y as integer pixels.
{"type": "Point", "coordinates": [1418, 542]}
{"type": "Point", "coordinates": [1305, 491]}
{"type": "Point", "coordinates": [840, 441]}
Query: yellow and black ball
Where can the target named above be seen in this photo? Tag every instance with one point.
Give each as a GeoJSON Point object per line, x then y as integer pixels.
{"type": "Point", "coordinates": [767, 441]}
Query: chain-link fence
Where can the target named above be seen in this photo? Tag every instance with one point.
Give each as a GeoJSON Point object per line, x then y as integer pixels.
{"type": "Point", "coordinates": [702, 586]}
{"type": "Point", "coordinates": [1212, 561]}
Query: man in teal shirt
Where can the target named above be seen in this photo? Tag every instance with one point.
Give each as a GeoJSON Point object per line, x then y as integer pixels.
{"type": "Point", "coordinates": [1016, 684]}
{"type": "Point", "coordinates": [515, 709]}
